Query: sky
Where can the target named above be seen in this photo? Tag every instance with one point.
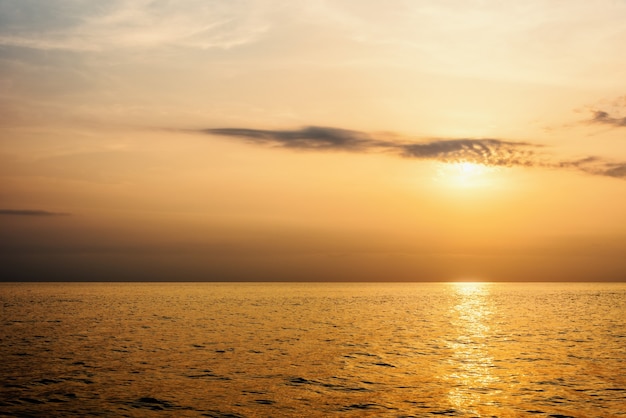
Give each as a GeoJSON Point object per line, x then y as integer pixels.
{"type": "Point", "coordinates": [338, 140]}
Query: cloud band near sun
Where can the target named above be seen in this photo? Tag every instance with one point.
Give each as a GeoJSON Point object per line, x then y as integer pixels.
{"type": "Point", "coordinates": [485, 151]}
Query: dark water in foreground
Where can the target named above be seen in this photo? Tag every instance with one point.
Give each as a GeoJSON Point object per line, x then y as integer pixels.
{"type": "Point", "coordinates": [268, 350]}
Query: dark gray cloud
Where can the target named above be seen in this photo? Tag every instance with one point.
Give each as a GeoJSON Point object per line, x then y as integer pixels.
{"type": "Point", "coordinates": [310, 138]}
{"type": "Point", "coordinates": [30, 212]}
{"type": "Point", "coordinates": [603, 117]}
{"type": "Point", "coordinates": [485, 151]}
{"type": "Point", "coordinates": [480, 151]}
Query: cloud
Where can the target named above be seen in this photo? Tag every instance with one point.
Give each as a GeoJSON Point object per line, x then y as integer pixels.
{"type": "Point", "coordinates": [606, 113]}
{"type": "Point", "coordinates": [92, 26]}
{"type": "Point", "coordinates": [492, 152]}
{"type": "Point", "coordinates": [485, 151]}
{"type": "Point", "coordinates": [310, 138]}
{"type": "Point", "coordinates": [599, 167]}
{"type": "Point", "coordinates": [30, 212]}
{"type": "Point", "coordinates": [481, 151]}
{"type": "Point", "coordinates": [603, 117]}
{"type": "Point", "coordinates": [496, 152]}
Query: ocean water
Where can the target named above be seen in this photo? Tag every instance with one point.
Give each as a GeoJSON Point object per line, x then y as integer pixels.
{"type": "Point", "coordinates": [313, 350]}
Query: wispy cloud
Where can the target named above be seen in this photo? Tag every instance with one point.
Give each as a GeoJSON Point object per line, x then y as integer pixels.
{"type": "Point", "coordinates": [310, 138]}
{"type": "Point", "coordinates": [598, 166]}
{"type": "Point", "coordinates": [30, 212]}
{"type": "Point", "coordinates": [492, 152]}
{"type": "Point", "coordinates": [485, 151]}
{"type": "Point", "coordinates": [603, 117]}
{"type": "Point", "coordinates": [87, 26]}
{"type": "Point", "coordinates": [610, 113]}
{"type": "Point", "coordinates": [482, 151]}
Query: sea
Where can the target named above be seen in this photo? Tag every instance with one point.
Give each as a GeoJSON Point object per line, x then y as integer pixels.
{"type": "Point", "coordinates": [313, 350]}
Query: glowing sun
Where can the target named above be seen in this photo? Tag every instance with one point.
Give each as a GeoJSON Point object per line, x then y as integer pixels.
{"type": "Point", "coordinates": [465, 174]}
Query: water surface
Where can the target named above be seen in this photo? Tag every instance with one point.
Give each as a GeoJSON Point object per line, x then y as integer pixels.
{"type": "Point", "coordinates": [267, 350]}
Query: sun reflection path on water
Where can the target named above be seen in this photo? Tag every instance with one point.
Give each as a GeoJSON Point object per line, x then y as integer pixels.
{"type": "Point", "coordinates": [471, 383]}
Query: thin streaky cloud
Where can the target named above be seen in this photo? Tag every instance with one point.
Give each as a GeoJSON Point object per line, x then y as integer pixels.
{"type": "Point", "coordinates": [85, 26]}
{"type": "Point", "coordinates": [30, 212]}
{"type": "Point", "coordinates": [311, 138]}
{"type": "Point", "coordinates": [486, 151]}
{"type": "Point", "coordinates": [605, 168]}
{"type": "Point", "coordinates": [492, 152]}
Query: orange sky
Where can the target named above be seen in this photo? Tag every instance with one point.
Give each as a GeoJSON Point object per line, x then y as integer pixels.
{"type": "Point", "coordinates": [330, 140]}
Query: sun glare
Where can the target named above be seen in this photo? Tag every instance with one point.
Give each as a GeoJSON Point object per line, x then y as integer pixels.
{"type": "Point", "coordinates": [465, 174]}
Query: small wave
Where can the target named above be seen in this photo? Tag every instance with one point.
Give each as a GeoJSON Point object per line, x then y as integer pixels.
{"type": "Point", "coordinates": [384, 364]}
{"type": "Point", "coordinates": [301, 381]}
{"type": "Point", "coordinates": [219, 414]}
{"type": "Point", "coordinates": [447, 412]}
{"type": "Point", "coordinates": [361, 406]}
{"type": "Point", "coordinates": [265, 401]}
{"type": "Point", "coordinates": [365, 406]}
{"type": "Point", "coordinates": [155, 404]}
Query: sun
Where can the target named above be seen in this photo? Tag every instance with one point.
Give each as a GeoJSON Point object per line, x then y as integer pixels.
{"type": "Point", "coordinates": [465, 174]}
{"type": "Point", "coordinates": [467, 169]}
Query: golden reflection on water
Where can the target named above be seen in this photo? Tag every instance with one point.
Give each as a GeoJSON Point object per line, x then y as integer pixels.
{"type": "Point", "coordinates": [470, 378]}
{"type": "Point", "coordinates": [316, 350]}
